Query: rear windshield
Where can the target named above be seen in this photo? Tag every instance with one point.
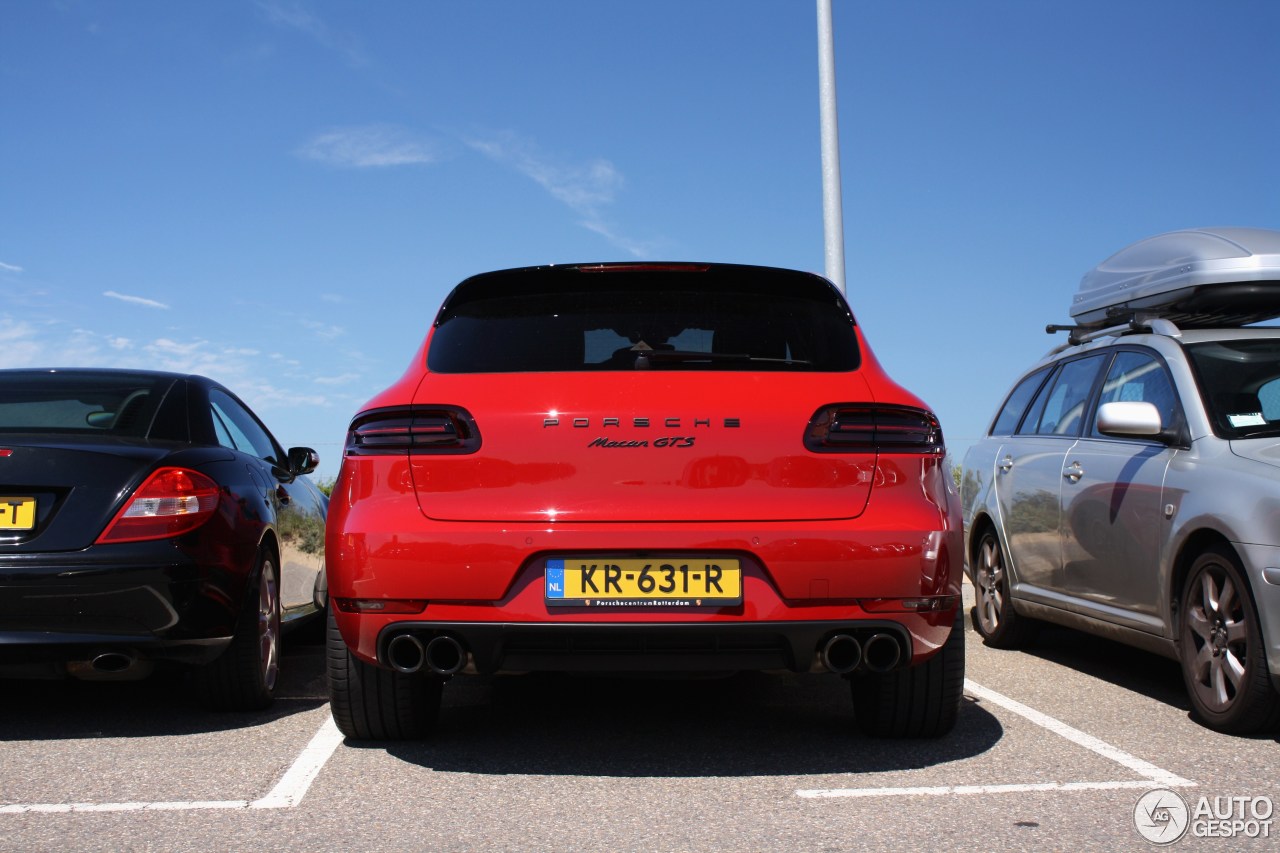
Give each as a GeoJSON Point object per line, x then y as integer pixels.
{"type": "Point", "coordinates": [79, 402]}
{"type": "Point", "coordinates": [713, 319]}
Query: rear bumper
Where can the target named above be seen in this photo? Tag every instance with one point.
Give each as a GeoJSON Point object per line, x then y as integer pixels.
{"type": "Point", "coordinates": [150, 600]}
{"type": "Point", "coordinates": [595, 647]}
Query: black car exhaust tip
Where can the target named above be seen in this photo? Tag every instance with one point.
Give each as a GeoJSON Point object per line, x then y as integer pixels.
{"type": "Point", "coordinates": [882, 653]}
{"type": "Point", "coordinates": [841, 654]}
{"type": "Point", "coordinates": [445, 655]}
{"type": "Point", "coordinates": [111, 663]}
{"type": "Point", "coordinates": [405, 653]}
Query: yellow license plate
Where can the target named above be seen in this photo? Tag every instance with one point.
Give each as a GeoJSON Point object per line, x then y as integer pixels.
{"type": "Point", "coordinates": [647, 582]}
{"type": "Point", "coordinates": [17, 513]}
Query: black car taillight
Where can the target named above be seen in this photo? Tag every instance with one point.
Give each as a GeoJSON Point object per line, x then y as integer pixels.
{"type": "Point", "coordinates": [864, 428]}
{"type": "Point", "coordinates": [171, 502]}
{"type": "Point", "coordinates": [413, 430]}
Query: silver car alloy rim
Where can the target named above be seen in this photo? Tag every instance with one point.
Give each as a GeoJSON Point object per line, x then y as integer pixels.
{"type": "Point", "coordinates": [269, 625]}
{"type": "Point", "coordinates": [1217, 628]}
{"type": "Point", "coordinates": [989, 576]}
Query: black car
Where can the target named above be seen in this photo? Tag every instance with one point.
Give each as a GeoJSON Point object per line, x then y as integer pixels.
{"type": "Point", "coordinates": [150, 518]}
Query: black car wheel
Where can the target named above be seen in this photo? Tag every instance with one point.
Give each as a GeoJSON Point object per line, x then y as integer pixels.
{"type": "Point", "coordinates": [919, 702]}
{"type": "Point", "coordinates": [244, 677]}
{"type": "Point", "coordinates": [993, 615]}
{"type": "Point", "coordinates": [371, 703]}
{"type": "Point", "coordinates": [1221, 647]}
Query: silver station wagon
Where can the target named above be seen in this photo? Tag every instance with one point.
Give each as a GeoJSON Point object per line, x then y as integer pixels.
{"type": "Point", "coordinates": [1129, 484]}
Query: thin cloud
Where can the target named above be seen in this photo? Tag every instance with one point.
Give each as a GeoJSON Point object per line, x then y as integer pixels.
{"type": "Point", "coordinates": [369, 146]}
{"type": "Point", "coordinates": [293, 16]}
{"type": "Point", "coordinates": [136, 300]}
{"type": "Point", "coordinates": [340, 379]}
{"type": "Point", "coordinates": [324, 331]}
{"type": "Point", "coordinates": [585, 188]}
{"type": "Point", "coordinates": [9, 268]}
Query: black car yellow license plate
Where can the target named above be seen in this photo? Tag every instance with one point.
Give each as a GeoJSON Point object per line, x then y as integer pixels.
{"type": "Point", "coordinates": [644, 582]}
{"type": "Point", "coordinates": [17, 513]}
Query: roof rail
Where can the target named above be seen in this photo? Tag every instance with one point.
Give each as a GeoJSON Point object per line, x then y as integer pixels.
{"type": "Point", "coordinates": [1137, 323]}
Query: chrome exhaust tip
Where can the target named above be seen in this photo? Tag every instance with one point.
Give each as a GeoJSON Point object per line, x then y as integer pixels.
{"type": "Point", "coordinates": [882, 653]}
{"type": "Point", "coordinates": [445, 655]}
{"type": "Point", "coordinates": [405, 653]}
{"type": "Point", "coordinates": [841, 654]}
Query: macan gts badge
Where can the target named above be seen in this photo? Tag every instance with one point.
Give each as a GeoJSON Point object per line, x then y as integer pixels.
{"type": "Point", "coordinates": [648, 468]}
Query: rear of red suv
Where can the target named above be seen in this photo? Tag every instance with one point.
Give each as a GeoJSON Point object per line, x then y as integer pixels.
{"type": "Point", "coordinates": [644, 468]}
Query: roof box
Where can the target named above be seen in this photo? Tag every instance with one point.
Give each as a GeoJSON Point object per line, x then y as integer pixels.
{"type": "Point", "coordinates": [1198, 277]}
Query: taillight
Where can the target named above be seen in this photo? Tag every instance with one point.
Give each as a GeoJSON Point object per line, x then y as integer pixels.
{"type": "Point", "coordinates": [863, 428]}
{"type": "Point", "coordinates": [171, 502]}
{"type": "Point", "coordinates": [444, 430]}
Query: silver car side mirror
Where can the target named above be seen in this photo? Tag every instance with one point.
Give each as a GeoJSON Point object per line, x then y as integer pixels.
{"type": "Point", "coordinates": [1131, 419]}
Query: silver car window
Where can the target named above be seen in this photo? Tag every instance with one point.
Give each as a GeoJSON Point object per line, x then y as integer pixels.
{"type": "Point", "coordinates": [1011, 412]}
{"type": "Point", "coordinates": [1062, 403]}
{"type": "Point", "coordinates": [1140, 377]}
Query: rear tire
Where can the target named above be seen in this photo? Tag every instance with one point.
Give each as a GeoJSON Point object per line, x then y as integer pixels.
{"type": "Point", "coordinates": [1222, 650]}
{"type": "Point", "coordinates": [371, 703]}
{"type": "Point", "coordinates": [919, 702]}
{"type": "Point", "coordinates": [993, 615]}
{"type": "Point", "coordinates": [244, 677]}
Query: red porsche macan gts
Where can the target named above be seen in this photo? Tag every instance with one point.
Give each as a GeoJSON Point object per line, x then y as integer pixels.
{"type": "Point", "coordinates": [644, 467]}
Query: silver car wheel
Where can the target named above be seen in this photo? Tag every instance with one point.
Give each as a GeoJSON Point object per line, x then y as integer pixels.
{"type": "Point", "coordinates": [988, 581]}
{"type": "Point", "coordinates": [1218, 627]}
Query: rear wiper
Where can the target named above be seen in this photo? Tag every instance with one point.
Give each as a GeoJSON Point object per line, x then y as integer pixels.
{"type": "Point", "coordinates": [646, 358]}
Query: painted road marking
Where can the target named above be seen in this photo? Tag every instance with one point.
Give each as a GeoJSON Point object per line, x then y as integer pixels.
{"type": "Point", "coordinates": [287, 793]}
{"type": "Point", "coordinates": [296, 781]}
{"type": "Point", "coordinates": [1153, 777]}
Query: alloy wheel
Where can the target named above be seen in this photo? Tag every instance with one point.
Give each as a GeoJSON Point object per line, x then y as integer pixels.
{"type": "Point", "coordinates": [988, 581]}
{"type": "Point", "coordinates": [1218, 628]}
{"type": "Point", "coordinates": [269, 625]}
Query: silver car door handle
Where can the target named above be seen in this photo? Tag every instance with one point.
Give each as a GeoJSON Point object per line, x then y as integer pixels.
{"type": "Point", "coordinates": [1006, 464]}
{"type": "Point", "coordinates": [1073, 472]}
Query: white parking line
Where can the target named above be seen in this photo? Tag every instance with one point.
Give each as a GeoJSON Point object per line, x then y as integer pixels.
{"type": "Point", "coordinates": [1153, 777]}
{"type": "Point", "coordinates": [287, 793]}
{"type": "Point", "coordinates": [296, 781]}
{"type": "Point", "coordinates": [293, 785]}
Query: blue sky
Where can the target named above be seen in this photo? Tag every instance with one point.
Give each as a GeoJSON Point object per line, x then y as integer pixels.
{"type": "Point", "coordinates": [278, 194]}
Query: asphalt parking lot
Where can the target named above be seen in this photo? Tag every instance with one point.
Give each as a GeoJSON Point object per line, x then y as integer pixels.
{"type": "Point", "coordinates": [1054, 750]}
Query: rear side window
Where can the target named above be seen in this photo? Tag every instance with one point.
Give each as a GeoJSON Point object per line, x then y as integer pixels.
{"type": "Point", "coordinates": [571, 320]}
{"type": "Point", "coordinates": [1059, 408]}
{"type": "Point", "coordinates": [237, 429]}
{"type": "Point", "coordinates": [1011, 412]}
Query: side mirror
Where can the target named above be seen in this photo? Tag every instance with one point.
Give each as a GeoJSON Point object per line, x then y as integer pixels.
{"type": "Point", "coordinates": [302, 460]}
{"type": "Point", "coordinates": [1130, 420]}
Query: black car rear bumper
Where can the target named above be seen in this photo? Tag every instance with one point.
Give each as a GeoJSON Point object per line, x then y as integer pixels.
{"type": "Point", "coordinates": [147, 600]}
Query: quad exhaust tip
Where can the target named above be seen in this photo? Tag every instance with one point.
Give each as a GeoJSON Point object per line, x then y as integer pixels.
{"type": "Point", "coordinates": [405, 653]}
{"type": "Point", "coordinates": [442, 655]}
{"type": "Point", "coordinates": [841, 654]}
{"type": "Point", "coordinates": [882, 652]}
{"type": "Point", "coordinates": [844, 653]}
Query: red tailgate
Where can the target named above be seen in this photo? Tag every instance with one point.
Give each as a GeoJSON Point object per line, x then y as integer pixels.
{"type": "Point", "coordinates": [641, 446]}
